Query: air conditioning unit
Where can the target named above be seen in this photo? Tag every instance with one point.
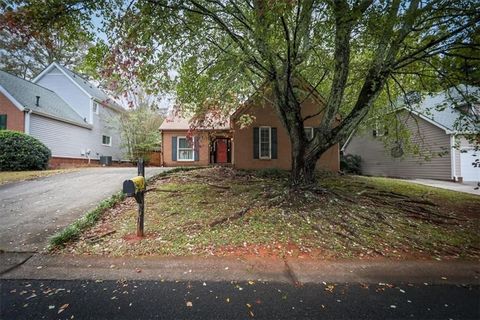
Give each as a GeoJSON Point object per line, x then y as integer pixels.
{"type": "Point", "coordinates": [106, 160]}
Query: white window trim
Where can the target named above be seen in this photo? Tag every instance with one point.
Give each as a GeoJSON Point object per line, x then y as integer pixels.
{"type": "Point", "coordinates": [379, 132]}
{"type": "Point", "coordinates": [312, 132]}
{"type": "Point", "coordinates": [98, 107]}
{"type": "Point", "coordinates": [192, 148]}
{"type": "Point", "coordinates": [269, 142]}
{"type": "Point", "coordinates": [107, 145]}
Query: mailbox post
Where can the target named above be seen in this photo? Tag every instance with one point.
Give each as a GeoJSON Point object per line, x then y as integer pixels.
{"type": "Point", "coordinates": [136, 187]}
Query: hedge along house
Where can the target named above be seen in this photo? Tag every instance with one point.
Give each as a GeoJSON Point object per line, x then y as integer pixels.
{"type": "Point", "coordinates": [438, 127]}
{"type": "Point", "coordinates": [65, 112]}
{"type": "Point", "coordinates": [264, 143]}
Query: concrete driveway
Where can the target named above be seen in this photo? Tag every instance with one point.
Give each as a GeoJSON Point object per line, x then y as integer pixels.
{"type": "Point", "coordinates": [466, 187]}
{"type": "Point", "coordinates": [32, 211]}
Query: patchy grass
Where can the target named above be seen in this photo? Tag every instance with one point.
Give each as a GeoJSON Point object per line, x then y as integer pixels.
{"type": "Point", "coordinates": [220, 211]}
{"type": "Point", "coordinates": [14, 176]}
{"type": "Point", "coordinates": [75, 229]}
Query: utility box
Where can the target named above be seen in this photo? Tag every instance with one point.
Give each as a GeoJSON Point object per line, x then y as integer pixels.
{"type": "Point", "coordinates": [106, 160]}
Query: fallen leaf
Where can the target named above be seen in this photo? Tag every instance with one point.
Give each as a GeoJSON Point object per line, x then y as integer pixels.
{"type": "Point", "coordinates": [189, 304]}
{"type": "Point", "coordinates": [62, 308]}
{"type": "Point", "coordinates": [228, 299]}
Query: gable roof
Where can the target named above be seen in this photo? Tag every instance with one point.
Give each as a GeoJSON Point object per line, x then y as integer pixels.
{"type": "Point", "coordinates": [24, 95]}
{"type": "Point", "coordinates": [88, 88]}
{"type": "Point", "coordinates": [441, 109]}
{"type": "Point", "coordinates": [302, 83]}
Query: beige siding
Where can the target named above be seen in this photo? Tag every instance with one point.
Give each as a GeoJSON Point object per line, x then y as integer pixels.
{"type": "Point", "coordinates": [430, 139]}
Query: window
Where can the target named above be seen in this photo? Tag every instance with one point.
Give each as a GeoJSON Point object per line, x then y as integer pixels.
{"type": "Point", "coordinates": [265, 142]}
{"type": "Point", "coordinates": [184, 149]}
{"type": "Point", "coordinates": [380, 130]}
{"type": "Point", "coordinates": [3, 121]}
{"type": "Point", "coordinates": [309, 132]}
{"type": "Point", "coordinates": [95, 107]}
{"type": "Point", "coordinates": [106, 141]}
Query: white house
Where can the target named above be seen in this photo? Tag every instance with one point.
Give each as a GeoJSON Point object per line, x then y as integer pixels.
{"type": "Point", "coordinates": [72, 117]}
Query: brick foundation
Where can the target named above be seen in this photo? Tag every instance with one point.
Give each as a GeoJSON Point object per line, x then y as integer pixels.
{"type": "Point", "coordinates": [61, 162]}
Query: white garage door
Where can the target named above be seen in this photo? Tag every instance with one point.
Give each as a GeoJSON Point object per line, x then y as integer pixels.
{"type": "Point", "coordinates": [469, 171]}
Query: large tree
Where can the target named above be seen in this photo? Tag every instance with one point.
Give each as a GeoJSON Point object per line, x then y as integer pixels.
{"type": "Point", "coordinates": [356, 53]}
{"type": "Point", "coordinates": [29, 44]}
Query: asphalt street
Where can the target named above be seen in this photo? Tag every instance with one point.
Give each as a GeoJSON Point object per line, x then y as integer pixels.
{"type": "Point", "coordinates": [80, 299]}
{"type": "Point", "coordinates": [32, 211]}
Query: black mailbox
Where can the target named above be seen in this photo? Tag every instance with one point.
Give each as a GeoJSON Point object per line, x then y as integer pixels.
{"type": "Point", "coordinates": [129, 188]}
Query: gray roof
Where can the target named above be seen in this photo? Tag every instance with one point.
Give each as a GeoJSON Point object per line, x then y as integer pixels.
{"type": "Point", "coordinates": [91, 89]}
{"type": "Point", "coordinates": [25, 92]}
{"type": "Point", "coordinates": [181, 122]}
{"type": "Point", "coordinates": [443, 108]}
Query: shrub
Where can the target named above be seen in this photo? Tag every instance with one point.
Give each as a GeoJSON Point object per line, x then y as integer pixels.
{"type": "Point", "coordinates": [19, 151]}
{"type": "Point", "coordinates": [350, 163]}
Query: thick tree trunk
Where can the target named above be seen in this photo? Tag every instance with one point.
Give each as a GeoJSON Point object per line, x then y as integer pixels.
{"type": "Point", "coordinates": [303, 168]}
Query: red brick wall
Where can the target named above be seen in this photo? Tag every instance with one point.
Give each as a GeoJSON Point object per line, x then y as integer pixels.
{"type": "Point", "coordinates": [15, 117]}
{"type": "Point", "coordinates": [60, 162]}
{"type": "Point", "coordinates": [266, 116]}
{"type": "Point", "coordinates": [203, 144]}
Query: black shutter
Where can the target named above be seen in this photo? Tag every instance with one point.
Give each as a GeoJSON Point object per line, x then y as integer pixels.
{"type": "Point", "coordinates": [3, 121]}
{"type": "Point", "coordinates": [256, 138]}
{"type": "Point", "coordinates": [274, 143]}
{"type": "Point", "coordinates": [174, 148]}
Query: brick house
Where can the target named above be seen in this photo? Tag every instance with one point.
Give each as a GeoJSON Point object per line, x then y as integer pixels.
{"type": "Point", "coordinates": [263, 144]}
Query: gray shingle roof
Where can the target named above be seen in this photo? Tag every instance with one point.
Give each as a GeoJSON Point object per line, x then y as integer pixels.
{"type": "Point", "coordinates": [25, 92]}
{"type": "Point", "coordinates": [443, 108]}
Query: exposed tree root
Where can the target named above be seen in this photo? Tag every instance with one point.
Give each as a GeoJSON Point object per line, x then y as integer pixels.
{"type": "Point", "coordinates": [235, 216]}
{"type": "Point", "coordinates": [218, 186]}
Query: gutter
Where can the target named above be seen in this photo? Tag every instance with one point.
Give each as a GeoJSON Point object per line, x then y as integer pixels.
{"type": "Point", "coordinates": [26, 120]}
{"type": "Point", "coordinates": [452, 157]}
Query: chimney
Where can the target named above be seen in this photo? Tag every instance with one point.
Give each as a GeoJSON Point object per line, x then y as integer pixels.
{"type": "Point", "coordinates": [37, 102]}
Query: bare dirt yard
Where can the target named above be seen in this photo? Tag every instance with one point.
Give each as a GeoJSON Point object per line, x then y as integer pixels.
{"type": "Point", "coordinates": [225, 212]}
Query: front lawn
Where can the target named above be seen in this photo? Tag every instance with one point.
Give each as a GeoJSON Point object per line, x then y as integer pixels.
{"type": "Point", "coordinates": [221, 211]}
{"type": "Point", "coordinates": [14, 176]}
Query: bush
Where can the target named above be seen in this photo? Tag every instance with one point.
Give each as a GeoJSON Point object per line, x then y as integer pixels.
{"type": "Point", "coordinates": [350, 163]}
{"type": "Point", "coordinates": [19, 151]}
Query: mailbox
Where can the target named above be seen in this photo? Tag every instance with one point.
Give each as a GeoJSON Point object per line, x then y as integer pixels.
{"type": "Point", "coordinates": [133, 186]}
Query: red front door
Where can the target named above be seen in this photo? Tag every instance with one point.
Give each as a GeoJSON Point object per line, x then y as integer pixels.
{"type": "Point", "coordinates": [222, 151]}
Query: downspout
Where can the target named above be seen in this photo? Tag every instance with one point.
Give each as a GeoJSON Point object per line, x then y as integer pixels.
{"type": "Point", "coordinates": [452, 156]}
{"type": "Point", "coordinates": [162, 153]}
{"type": "Point", "coordinates": [26, 120]}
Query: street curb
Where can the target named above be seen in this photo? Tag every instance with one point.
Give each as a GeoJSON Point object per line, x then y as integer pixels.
{"type": "Point", "coordinates": [293, 271]}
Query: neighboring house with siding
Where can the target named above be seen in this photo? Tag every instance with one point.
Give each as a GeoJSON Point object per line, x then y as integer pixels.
{"type": "Point", "coordinates": [438, 128]}
{"type": "Point", "coordinates": [67, 113]}
{"type": "Point", "coordinates": [264, 143]}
